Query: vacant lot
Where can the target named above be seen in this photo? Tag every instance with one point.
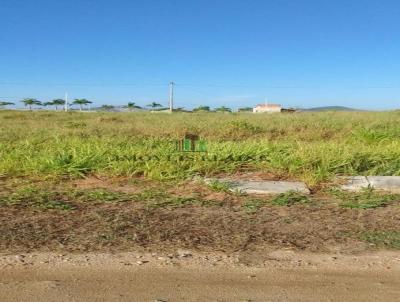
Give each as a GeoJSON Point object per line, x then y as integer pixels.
{"type": "Point", "coordinates": [77, 182]}
{"type": "Point", "coordinates": [307, 146]}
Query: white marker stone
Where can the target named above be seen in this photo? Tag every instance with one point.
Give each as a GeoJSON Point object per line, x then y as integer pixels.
{"type": "Point", "coordinates": [263, 187]}
{"type": "Point", "coordinates": [385, 183]}
{"type": "Point", "coordinates": [355, 183]}
{"type": "Point", "coordinates": [380, 183]}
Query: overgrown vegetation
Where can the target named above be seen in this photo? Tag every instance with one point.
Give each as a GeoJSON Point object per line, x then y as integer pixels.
{"type": "Point", "coordinates": [290, 198]}
{"type": "Point", "coordinates": [383, 239]}
{"type": "Point", "coordinates": [98, 196]}
{"type": "Point", "coordinates": [367, 199]}
{"type": "Point", "coordinates": [33, 197]}
{"type": "Point", "coordinates": [219, 186]}
{"type": "Point", "coordinates": [313, 147]}
{"type": "Point", "coordinates": [253, 204]}
{"type": "Point", "coordinates": [29, 196]}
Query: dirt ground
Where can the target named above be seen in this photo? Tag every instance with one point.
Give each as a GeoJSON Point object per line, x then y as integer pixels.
{"type": "Point", "coordinates": [124, 240]}
{"type": "Point", "coordinates": [185, 276]}
{"type": "Point", "coordinates": [190, 216]}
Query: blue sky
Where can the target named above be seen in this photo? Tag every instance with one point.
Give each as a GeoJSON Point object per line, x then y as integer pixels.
{"type": "Point", "coordinates": [300, 53]}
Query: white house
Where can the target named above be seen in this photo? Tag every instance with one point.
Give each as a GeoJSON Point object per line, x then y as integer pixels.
{"type": "Point", "coordinates": [268, 108]}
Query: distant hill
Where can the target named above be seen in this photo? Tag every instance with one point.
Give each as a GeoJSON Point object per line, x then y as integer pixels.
{"type": "Point", "coordinates": [331, 108]}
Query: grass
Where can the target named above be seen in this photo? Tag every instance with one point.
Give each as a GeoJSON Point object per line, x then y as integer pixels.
{"type": "Point", "coordinates": [367, 199]}
{"type": "Point", "coordinates": [33, 197]}
{"type": "Point", "coordinates": [383, 239]}
{"type": "Point", "coordinates": [313, 147]}
{"type": "Point", "coordinates": [219, 186]}
{"type": "Point", "coordinates": [30, 196]}
{"type": "Point", "coordinates": [99, 196]}
{"type": "Point", "coordinates": [253, 205]}
{"type": "Point", "coordinates": [285, 199]}
{"type": "Point", "coordinates": [290, 198]}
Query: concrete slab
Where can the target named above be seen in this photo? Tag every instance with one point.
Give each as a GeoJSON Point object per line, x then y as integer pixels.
{"type": "Point", "coordinates": [354, 183]}
{"type": "Point", "coordinates": [385, 183]}
{"type": "Point", "coordinates": [380, 183]}
{"type": "Point", "coordinates": [263, 187]}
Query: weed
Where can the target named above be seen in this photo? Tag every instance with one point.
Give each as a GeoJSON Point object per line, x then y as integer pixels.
{"type": "Point", "coordinates": [37, 198]}
{"type": "Point", "coordinates": [75, 125]}
{"type": "Point", "coordinates": [290, 198]}
{"type": "Point", "coordinates": [174, 202]}
{"type": "Point", "coordinates": [366, 199]}
{"type": "Point", "coordinates": [253, 205]}
{"type": "Point", "coordinates": [99, 196]}
{"type": "Point", "coordinates": [151, 194]}
{"type": "Point", "coordinates": [219, 186]}
{"type": "Point", "coordinates": [310, 147]}
{"type": "Point", "coordinates": [383, 239]}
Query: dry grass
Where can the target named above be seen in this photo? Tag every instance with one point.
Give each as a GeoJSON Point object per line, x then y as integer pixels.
{"type": "Point", "coordinates": [313, 147]}
{"type": "Point", "coordinates": [64, 216]}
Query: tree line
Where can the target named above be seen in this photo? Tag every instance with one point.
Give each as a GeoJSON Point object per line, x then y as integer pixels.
{"type": "Point", "coordinates": [30, 103]}
{"type": "Point", "coordinates": [131, 106]}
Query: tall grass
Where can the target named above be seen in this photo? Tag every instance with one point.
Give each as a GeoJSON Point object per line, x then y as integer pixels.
{"type": "Point", "coordinates": [313, 147]}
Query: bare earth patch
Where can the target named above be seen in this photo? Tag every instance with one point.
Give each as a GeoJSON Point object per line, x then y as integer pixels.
{"type": "Point", "coordinates": [136, 240]}
{"type": "Point", "coordinates": [133, 215]}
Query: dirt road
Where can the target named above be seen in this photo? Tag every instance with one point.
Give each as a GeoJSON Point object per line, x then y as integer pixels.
{"type": "Point", "coordinates": [285, 276]}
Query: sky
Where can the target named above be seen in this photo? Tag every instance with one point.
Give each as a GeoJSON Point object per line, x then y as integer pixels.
{"type": "Point", "coordinates": [299, 53]}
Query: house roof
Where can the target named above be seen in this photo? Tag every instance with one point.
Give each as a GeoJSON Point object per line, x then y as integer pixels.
{"type": "Point", "coordinates": [269, 105]}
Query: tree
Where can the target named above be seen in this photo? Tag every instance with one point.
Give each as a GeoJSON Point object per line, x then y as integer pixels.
{"type": "Point", "coordinates": [4, 104]}
{"type": "Point", "coordinates": [202, 108]}
{"type": "Point", "coordinates": [223, 109]}
{"type": "Point", "coordinates": [132, 106]}
{"type": "Point", "coordinates": [107, 107]}
{"type": "Point", "coordinates": [58, 102]}
{"type": "Point", "coordinates": [48, 104]}
{"type": "Point", "coordinates": [154, 105]}
{"type": "Point", "coordinates": [81, 103]}
{"type": "Point", "coordinates": [30, 102]}
{"type": "Point", "coordinates": [245, 109]}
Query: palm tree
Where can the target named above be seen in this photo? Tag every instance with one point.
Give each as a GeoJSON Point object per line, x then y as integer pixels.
{"type": "Point", "coordinates": [58, 102]}
{"type": "Point", "coordinates": [48, 104]}
{"type": "Point", "coordinates": [81, 103]}
{"type": "Point", "coordinates": [30, 102]}
{"type": "Point", "coordinates": [223, 109]}
{"type": "Point", "coordinates": [132, 106]}
{"type": "Point", "coordinates": [154, 105]}
{"type": "Point", "coordinates": [3, 104]}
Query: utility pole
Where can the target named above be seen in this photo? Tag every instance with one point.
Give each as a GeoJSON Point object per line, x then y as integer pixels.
{"type": "Point", "coordinates": [66, 102]}
{"type": "Point", "coordinates": [171, 96]}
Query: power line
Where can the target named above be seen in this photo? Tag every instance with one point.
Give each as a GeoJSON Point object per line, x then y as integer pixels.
{"type": "Point", "coordinates": [81, 84]}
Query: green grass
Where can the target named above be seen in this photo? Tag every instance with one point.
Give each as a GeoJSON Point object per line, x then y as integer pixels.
{"type": "Point", "coordinates": [290, 198]}
{"type": "Point", "coordinates": [253, 205]}
{"type": "Point", "coordinates": [383, 239]}
{"type": "Point", "coordinates": [219, 186]}
{"type": "Point", "coordinates": [313, 147]}
{"type": "Point", "coordinates": [367, 199]}
{"type": "Point", "coordinates": [52, 198]}
{"type": "Point", "coordinates": [31, 196]}
{"type": "Point", "coordinates": [99, 196]}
